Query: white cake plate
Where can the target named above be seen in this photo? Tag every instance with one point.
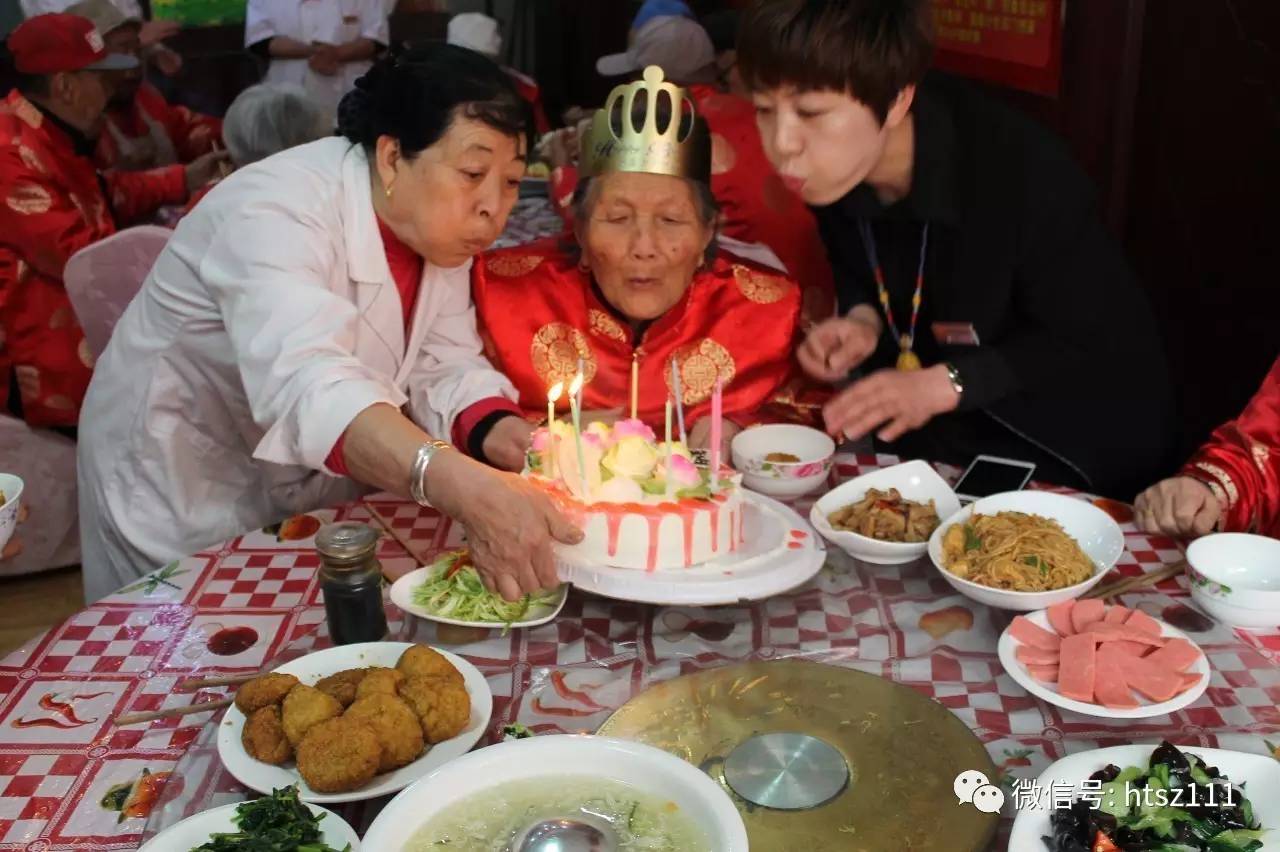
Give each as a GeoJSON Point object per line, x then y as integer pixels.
{"type": "Point", "coordinates": [780, 551]}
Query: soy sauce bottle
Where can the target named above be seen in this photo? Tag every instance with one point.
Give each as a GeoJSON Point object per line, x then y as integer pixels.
{"type": "Point", "coordinates": [351, 579]}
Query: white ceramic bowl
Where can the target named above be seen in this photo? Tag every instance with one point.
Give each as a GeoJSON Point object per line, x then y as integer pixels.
{"type": "Point", "coordinates": [195, 830]}
{"type": "Point", "coordinates": [1236, 578]}
{"type": "Point", "coordinates": [1098, 535]}
{"type": "Point", "coordinates": [12, 487]}
{"type": "Point", "coordinates": [644, 767]}
{"type": "Point", "coordinates": [915, 480]}
{"type": "Point", "coordinates": [784, 480]}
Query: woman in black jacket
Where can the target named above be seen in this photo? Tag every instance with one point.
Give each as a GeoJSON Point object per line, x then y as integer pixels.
{"type": "Point", "coordinates": [980, 294]}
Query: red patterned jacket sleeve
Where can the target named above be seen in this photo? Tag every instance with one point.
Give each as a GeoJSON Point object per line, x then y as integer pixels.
{"type": "Point", "coordinates": [1241, 463]}
{"type": "Point", "coordinates": [44, 219]}
{"type": "Point", "coordinates": [136, 195]}
{"type": "Point", "coordinates": [192, 133]}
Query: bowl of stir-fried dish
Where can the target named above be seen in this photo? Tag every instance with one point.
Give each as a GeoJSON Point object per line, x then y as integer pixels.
{"type": "Point", "coordinates": [886, 517]}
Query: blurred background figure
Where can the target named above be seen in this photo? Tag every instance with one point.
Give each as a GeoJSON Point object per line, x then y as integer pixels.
{"type": "Point", "coordinates": [483, 34]}
{"type": "Point", "coordinates": [143, 130]}
{"type": "Point", "coordinates": [322, 45]}
{"type": "Point", "coordinates": [266, 119]}
{"type": "Point", "coordinates": [151, 33]}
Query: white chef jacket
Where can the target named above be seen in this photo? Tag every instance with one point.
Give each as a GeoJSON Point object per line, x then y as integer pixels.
{"type": "Point", "coordinates": [308, 21]}
{"type": "Point", "coordinates": [267, 324]}
{"type": "Point", "coordinates": [31, 8]}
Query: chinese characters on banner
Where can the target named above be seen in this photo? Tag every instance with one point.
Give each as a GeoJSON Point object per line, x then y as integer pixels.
{"type": "Point", "coordinates": [1015, 43]}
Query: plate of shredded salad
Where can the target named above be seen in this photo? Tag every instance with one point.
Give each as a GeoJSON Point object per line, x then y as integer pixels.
{"type": "Point", "coordinates": [450, 591]}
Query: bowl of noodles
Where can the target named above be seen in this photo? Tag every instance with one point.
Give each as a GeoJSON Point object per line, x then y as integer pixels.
{"type": "Point", "coordinates": [1026, 550]}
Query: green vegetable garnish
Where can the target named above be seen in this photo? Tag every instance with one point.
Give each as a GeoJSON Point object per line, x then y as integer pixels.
{"type": "Point", "coordinates": [275, 823]}
{"type": "Point", "coordinates": [971, 539]}
{"type": "Point", "coordinates": [456, 591]}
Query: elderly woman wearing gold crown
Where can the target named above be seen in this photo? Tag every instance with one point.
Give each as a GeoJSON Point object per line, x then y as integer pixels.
{"type": "Point", "coordinates": [641, 300]}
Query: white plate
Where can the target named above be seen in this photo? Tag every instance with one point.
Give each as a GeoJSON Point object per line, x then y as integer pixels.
{"type": "Point", "coordinates": [764, 566]}
{"type": "Point", "coordinates": [402, 596]}
{"type": "Point", "coordinates": [915, 480]}
{"type": "Point", "coordinates": [264, 778]}
{"type": "Point", "coordinates": [1262, 775]}
{"type": "Point", "coordinates": [1008, 658]}
{"type": "Point", "coordinates": [1098, 535]}
{"type": "Point", "coordinates": [195, 830]}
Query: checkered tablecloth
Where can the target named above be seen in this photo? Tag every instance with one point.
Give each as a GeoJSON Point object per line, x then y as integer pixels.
{"type": "Point", "coordinates": [60, 754]}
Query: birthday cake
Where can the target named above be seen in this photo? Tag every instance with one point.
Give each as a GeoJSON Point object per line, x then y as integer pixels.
{"type": "Point", "coordinates": [642, 503]}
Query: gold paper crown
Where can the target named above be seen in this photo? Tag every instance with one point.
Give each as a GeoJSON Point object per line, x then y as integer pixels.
{"type": "Point", "coordinates": [648, 148]}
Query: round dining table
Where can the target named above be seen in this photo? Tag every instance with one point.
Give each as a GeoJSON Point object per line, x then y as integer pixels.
{"type": "Point", "coordinates": [71, 778]}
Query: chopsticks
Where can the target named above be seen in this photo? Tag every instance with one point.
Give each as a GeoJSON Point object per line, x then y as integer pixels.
{"type": "Point", "coordinates": [191, 684]}
{"type": "Point", "coordinates": [1142, 581]}
{"type": "Point", "coordinates": [400, 540]}
{"type": "Point", "coordinates": [135, 718]}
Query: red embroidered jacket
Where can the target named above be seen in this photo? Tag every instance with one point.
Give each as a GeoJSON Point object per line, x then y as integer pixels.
{"type": "Point", "coordinates": [1241, 463]}
{"type": "Point", "coordinates": [539, 314]}
{"type": "Point", "coordinates": [156, 131]}
{"type": "Point", "coordinates": [54, 204]}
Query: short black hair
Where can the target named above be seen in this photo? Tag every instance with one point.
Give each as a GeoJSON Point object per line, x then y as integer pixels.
{"type": "Point", "coordinates": [871, 49]}
{"type": "Point", "coordinates": [414, 95]}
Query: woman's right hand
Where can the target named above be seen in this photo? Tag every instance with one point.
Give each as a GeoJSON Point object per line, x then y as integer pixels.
{"type": "Point", "coordinates": [836, 346]}
{"type": "Point", "coordinates": [511, 524]}
{"type": "Point", "coordinates": [1181, 507]}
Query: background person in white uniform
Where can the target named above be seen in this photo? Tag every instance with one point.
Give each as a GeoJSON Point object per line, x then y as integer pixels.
{"type": "Point", "coordinates": [271, 336]}
{"type": "Point", "coordinates": [322, 45]}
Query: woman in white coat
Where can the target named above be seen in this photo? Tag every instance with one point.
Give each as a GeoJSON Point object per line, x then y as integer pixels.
{"type": "Point", "coordinates": [308, 335]}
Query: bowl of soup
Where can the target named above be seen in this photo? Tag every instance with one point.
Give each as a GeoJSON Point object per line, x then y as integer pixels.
{"type": "Point", "coordinates": [1235, 578]}
{"type": "Point", "coordinates": [483, 801]}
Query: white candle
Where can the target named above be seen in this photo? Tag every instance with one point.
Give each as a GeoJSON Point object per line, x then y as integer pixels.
{"type": "Point", "coordinates": [575, 412]}
{"type": "Point", "coordinates": [553, 395]}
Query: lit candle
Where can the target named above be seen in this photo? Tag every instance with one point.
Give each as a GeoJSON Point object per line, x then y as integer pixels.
{"type": "Point", "coordinates": [553, 395]}
{"type": "Point", "coordinates": [635, 384]}
{"type": "Point", "coordinates": [668, 447]}
{"type": "Point", "coordinates": [575, 412]}
{"type": "Point", "coordinates": [717, 429]}
{"type": "Point", "coordinates": [679, 394]}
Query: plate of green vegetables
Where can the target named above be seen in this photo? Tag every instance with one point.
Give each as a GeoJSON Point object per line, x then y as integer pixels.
{"type": "Point", "coordinates": [279, 822]}
{"type": "Point", "coordinates": [450, 591]}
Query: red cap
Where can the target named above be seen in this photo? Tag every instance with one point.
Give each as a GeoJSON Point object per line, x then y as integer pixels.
{"type": "Point", "coordinates": [49, 44]}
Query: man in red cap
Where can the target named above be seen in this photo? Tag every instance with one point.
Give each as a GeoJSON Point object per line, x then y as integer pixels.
{"type": "Point", "coordinates": [53, 202]}
{"type": "Point", "coordinates": [142, 129]}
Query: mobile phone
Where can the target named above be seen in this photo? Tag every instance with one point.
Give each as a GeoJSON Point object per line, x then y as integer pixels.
{"type": "Point", "coordinates": [989, 475]}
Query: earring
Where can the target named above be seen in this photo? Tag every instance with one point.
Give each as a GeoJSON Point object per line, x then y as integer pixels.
{"type": "Point", "coordinates": [583, 266]}
{"type": "Point", "coordinates": [389, 189]}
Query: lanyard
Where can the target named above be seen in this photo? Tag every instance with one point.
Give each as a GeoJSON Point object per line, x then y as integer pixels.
{"type": "Point", "coordinates": [907, 359]}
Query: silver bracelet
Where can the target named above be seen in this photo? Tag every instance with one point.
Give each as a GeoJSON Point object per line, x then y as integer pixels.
{"type": "Point", "coordinates": [957, 382]}
{"type": "Point", "coordinates": [418, 473]}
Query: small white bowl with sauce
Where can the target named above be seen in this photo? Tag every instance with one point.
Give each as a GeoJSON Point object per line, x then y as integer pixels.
{"type": "Point", "coordinates": [11, 487]}
{"type": "Point", "coordinates": [1235, 578]}
{"type": "Point", "coordinates": [783, 460]}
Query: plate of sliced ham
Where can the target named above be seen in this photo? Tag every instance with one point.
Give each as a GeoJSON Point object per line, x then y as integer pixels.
{"type": "Point", "coordinates": [1104, 660]}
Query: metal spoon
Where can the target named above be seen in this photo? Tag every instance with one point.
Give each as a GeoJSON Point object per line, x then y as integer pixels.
{"type": "Point", "coordinates": [570, 834]}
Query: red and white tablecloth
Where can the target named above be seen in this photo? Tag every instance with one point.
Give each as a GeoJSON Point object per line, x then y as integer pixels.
{"type": "Point", "coordinates": [256, 600]}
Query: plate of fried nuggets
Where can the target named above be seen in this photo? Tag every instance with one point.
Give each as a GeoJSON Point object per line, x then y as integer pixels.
{"type": "Point", "coordinates": [354, 722]}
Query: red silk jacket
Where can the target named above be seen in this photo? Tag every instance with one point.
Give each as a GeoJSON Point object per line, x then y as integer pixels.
{"type": "Point", "coordinates": [54, 204]}
{"type": "Point", "coordinates": [1241, 463]}
{"type": "Point", "coordinates": [151, 123]}
{"type": "Point", "coordinates": [539, 314]}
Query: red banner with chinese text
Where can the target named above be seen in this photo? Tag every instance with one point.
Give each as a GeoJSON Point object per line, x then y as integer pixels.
{"type": "Point", "coordinates": [1015, 43]}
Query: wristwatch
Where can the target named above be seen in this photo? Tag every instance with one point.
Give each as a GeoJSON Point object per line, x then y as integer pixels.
{"type": "Point", "coordinates": [957, 383]}
{"type": "Point", "coordinates": [418, 473]}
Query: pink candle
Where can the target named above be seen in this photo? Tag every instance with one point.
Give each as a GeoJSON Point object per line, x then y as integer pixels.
{"type": "Point", "coordinates": [717, 429]}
